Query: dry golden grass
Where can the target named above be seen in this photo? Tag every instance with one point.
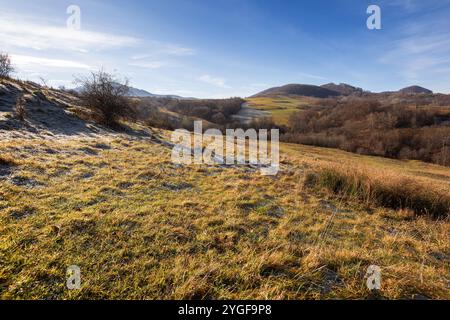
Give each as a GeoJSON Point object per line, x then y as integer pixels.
{"type": "Point", "coordinates": [141, 227]}
{"type": "Point", "coordinates": [7, 160]}
{"type": "Point", "coordinates": [383, 188]}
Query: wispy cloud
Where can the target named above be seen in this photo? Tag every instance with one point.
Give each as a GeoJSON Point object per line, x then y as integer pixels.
{"type": "Point", "coordinates": [159, 54]}
{"type": "Point", "coordinates": [27, 62]}
{"type": "Point", "coordinates": [157, 48]}
{"type": "Point", "coordinates": [417, 55]}
{"type": "Point", "coordinates": [20, 32]}
{"type": "Point", "coordinates": [408, 5]}
{"type": "Point", "coordinates": [158, 57]}
{"type": "Point", "coordinates": [148, 64]}
{"type": "Point", "coordinates": [412, 6]}
{"type": "Point", "coordinates": [214, 81]}
{"type": "Point", "coordinates": [310, 76]}
{"type": "Point", "coordinates": [41, 46]}
{"type": "Point", "coordinates": [421, 47]}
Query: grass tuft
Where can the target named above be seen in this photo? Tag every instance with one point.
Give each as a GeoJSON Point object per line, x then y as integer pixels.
{"type": "Point", "coordinates": [6, 160]}
{"type": "Point", "coordinates": [20, 110]}
{"type": "Point", "coordinates": [383, 189]}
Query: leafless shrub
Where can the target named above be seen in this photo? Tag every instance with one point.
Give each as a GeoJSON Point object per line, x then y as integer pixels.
{"type": "Point", "coordinates": [6, 67]}
{"type": "Point", "coordinates": [106, 95]}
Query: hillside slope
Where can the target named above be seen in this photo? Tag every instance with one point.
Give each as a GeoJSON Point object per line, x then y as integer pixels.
{"type": "Point", "coordinates": [49, 114]}
{"type": "Point", "coordinates": [141, 227]}
{"type": "Point", "coordinates": [298, 90]}
{"type": "Point", "coordinates": [120, 210]}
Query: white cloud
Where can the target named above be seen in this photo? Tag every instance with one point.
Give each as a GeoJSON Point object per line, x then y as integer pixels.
{"type": "Point", "coordinates": [218, 82]}
{"type": "Point", "coordinates": [419, 56]}
{"type": "Point", "coordinates": [29, 62]}
{"type": "Point", "coordinates": [158, 57]}
{"type": "Point", "coordinates": [310, 76]}
{"type": "Point", "coordinates": [163, 49]}
{"type": "Point", "coordinates": [19, 32]}
{"type": "Point", "coordinates": [412, 6]}
{"type": "Point", "coordinates": [171, 49]}
{"type": "Point", "coordinates": [149, 64]}
{"type": "Point", "coordinates": [40, 47]}
{"type": "Point", "coordinates": [420, 51]}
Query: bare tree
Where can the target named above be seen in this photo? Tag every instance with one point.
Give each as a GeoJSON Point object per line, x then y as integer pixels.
{"type": "Point", "coordinates": [6, 67]}
{"type": "Point", "coordinates": [107, 95]}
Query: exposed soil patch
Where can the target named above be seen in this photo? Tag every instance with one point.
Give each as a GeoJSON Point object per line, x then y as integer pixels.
{"type": "Point", "coordinates": [125, 185]}
{"type": "Point", "coordinates": [5, 170]}
{"type": "Point", "coordinates": [330, 280]}
{"type": "Point", "coordinates": [88, 151]}
{"type": "Point", "coordinates": [26, 182]}
{"type": "Point", "coordinates": [101, 146]}
{"type": "Point", "coordinates": [177, 186]}
{"type": "Point", "coordinates": [22, 213]}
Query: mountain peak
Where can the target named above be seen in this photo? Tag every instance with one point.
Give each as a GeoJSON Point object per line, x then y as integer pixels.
{"type": "Point", "coordinates": [299, 90]}
{"type": "Point", "coordinates": [343, 88]}
{"type": "Point", "coordinates": [140, 93]}
{"type": "Point", "coordinates": [415, 90]}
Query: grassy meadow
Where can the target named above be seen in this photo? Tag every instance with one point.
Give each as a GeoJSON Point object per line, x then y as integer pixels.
{"type": "Point", "coordinates": [141, 227]}
{"type": "Point", "coordinates": [280, 107]}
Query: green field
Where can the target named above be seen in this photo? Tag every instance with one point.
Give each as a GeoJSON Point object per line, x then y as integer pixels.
{"type": "Point", "coordinates": [280, 107]}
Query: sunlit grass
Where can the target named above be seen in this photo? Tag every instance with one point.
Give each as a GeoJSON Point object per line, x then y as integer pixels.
{"type": "Point", "coordinates": [280, 108]}
{"type": "Point", "coordinates": [141, 227]}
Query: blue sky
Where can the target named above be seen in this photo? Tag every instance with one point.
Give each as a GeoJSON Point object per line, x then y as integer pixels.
{"type": "Point", "coordinates": [223, 48]}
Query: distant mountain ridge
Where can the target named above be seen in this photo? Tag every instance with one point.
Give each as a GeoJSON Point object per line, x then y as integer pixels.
{"type": "Point", "coordinates": [343, 89]}
{"type": "Point", "coordinates": [140, 93]}
{"type": "Point", "coordinates": [415, 90]}
{"type": "Point", "coordinates": [332, 90]}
